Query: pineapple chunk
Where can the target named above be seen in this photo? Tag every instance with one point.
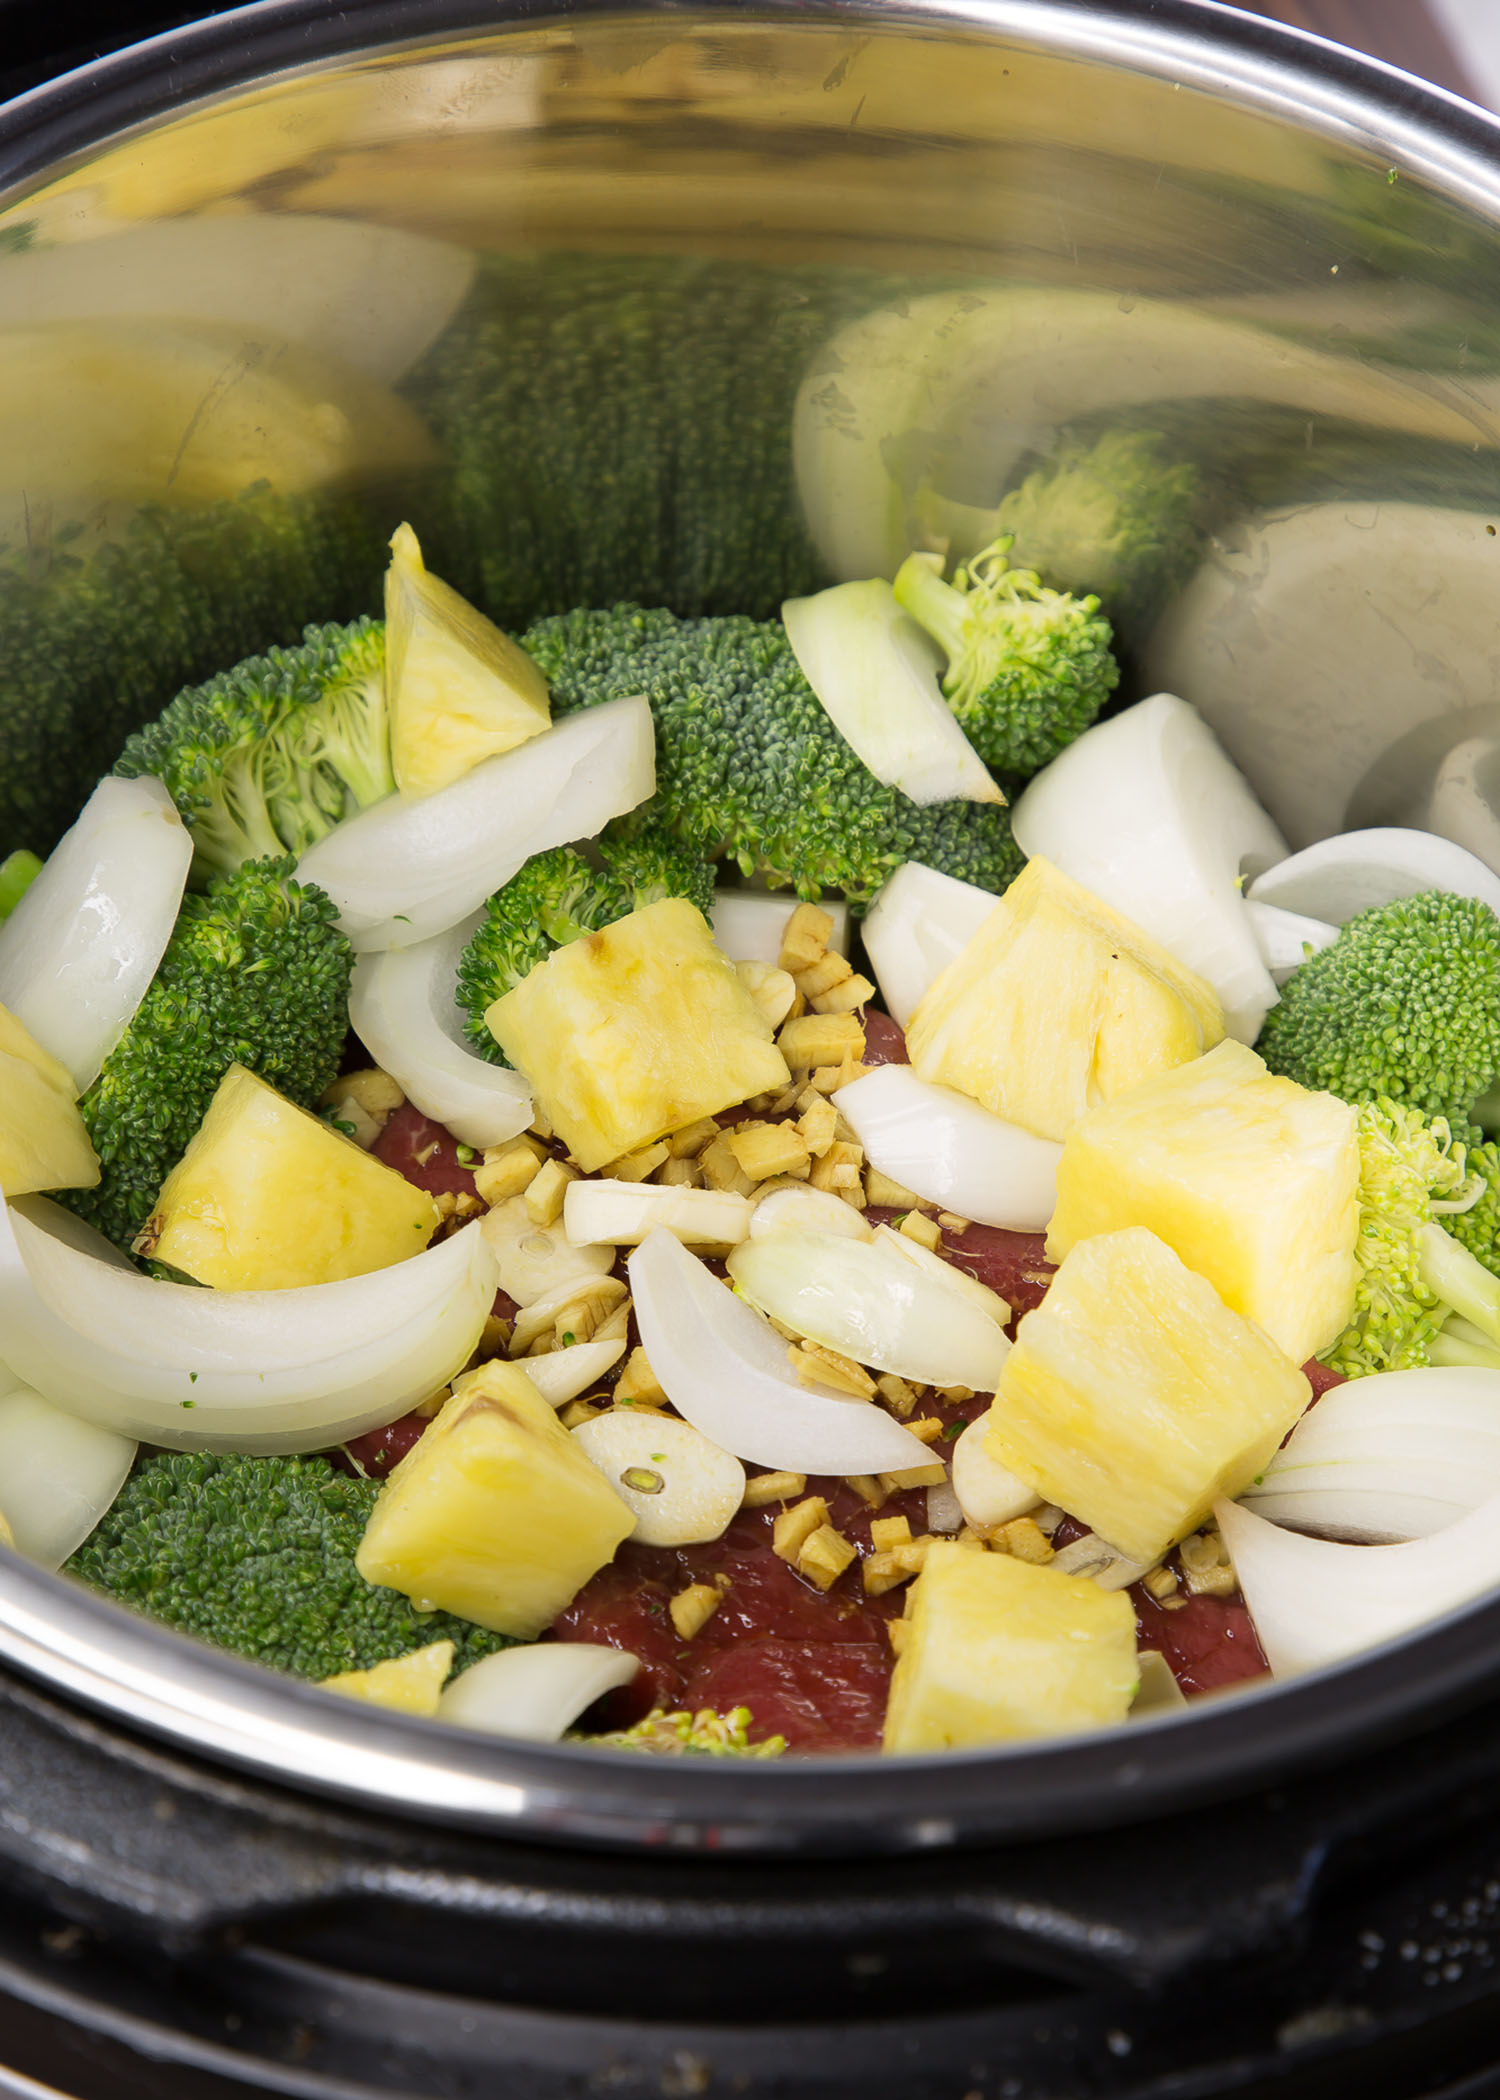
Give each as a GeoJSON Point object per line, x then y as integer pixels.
{"type": "Point", "coordinates": [1251, 1179]}
{"type": "Point", "coordinates": [408, 1684]}
{"type": "Point", "coordinates": [1134, 1397]}
{"type": "Point", "coordinates": [267, 1197]}
{"type": "Point", "coordinates": [43, 1142]}
{"type": "Point", "coordinates": [999, 1651]}
{"type": "Point", "coordinates": [457, 689]}
{"type": "Point", "coordinates": [1057, 1003]}
{"type": "Point", "coordinates": [634, 1031]}
{"type": "Point", "coordinates": [495, 1514]}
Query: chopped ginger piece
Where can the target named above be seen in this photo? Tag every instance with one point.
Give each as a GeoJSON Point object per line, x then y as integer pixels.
{"type": "Point", "coordinates": [545, 1193]}
{"type": "Point", "coordinates": [764, 1488]}
{"type": "Point", "coordinates": [808, 932]}
{"type": "Point", "coordinates": [721, 1170]}
{"type": "Point", "coordinates": [795, 1526]}
{"type": "Point", "coordinates": [693, 1607]}
{"type": "Point", "coordinates": [846, 997]}
{"type": "Point", "coordinates": [762, 1150]}
{"type": "Point", "coordinates": [639, 1166]}
{"type": "Point", "coordinates": [824, 1556]}
{"type": "Point", "coordinates": [829, 970]}
{"type": "Point", "coordinates": [509, 1170]}
{"type": "Point", "coordinates": [889, 1532]}
{"type": "Point", "coordinates": [815, 1365]}
{"type": "Point", "coordinates": [638, 1381]}
{"type": "Point", "coordinates": [821, 1039]}
{"type": "Point", "coordinates": [924, 1230]}
{"type": "Point", "coordinates": [1025, 1538]}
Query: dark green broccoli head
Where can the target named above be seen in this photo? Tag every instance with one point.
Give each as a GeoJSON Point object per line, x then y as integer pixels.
{"type": "Point", "coordinates": [256, 973]}
{"type": "Point", "coordinates": [1405, 1004]}
{"type": "Point", "coordinates": [748, 763]}
{"type": "Point", "coordinates": [649, 863]}
{"type": "Point", "coordinates": [256, 1555]}
{"type": "Point", "coordinates": [1028, 668]}
{"type": "Point", "coordinates": [266, 758]}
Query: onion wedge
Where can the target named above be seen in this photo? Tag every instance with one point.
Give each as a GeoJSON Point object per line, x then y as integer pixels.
{"type": "Point", "coordinates": [1316, 1601]}
{"type": "Point", "coordinates": [562, 1374]}
{"type": "Point", "coordinates": [1343, 876]}
{"type": "Point", "coordinates": [750, 925]}
{"type": "Point", "coordinates": [942, 1146]}
{"type": "Point", "coordinates": [81, 947]}
{"type": "Point", "coordinates": [1395, 1456]}
{"type": "Point", "coordinates": [1148, 811]}
{"type": "Point", "coordinates": [534, 1693]}
{"type": "Point", "coordinates": [1286, 938]}
{"type": "Point", "coordinates": [920, 922]}
{"type": "Point", "coordinates": [725, 1370]}
{"type": "Point", "coordinates": [402, 871]}
{"type": "Point", "coordinates": [58, 1475]}
{"type": "Point", "coordinates": [402, 1008]}
{"type": "Point", "coordinates": [863, 1299]}
{"type": "Point", "coordinates": [202, 1370]}
{"type": "Point", "coordinates": [876, 673]}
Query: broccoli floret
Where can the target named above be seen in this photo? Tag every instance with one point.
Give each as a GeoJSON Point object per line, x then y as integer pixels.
{"type": "Point", "coordinates": [257, 1556]}
{"type": "Point", "coordinates": [96, 638]}
{"type": "Point", "coordinates": [1405, 1003]}
{"type": "Point", "coordinates": [703, 1734]}
{"type": "Point", "coordinates": [748, 763]}
{"type": "Point", "coordinates": [1028, 668]}
{"type": "Point", "coordinates": [1478, 1226]}
{"type": "Point", "coordinates": [18, 871]}
{"type": "Point", "coordinates": [266, 758]}
{"type": "Point", "coordinates": [560, 896]}
{"type": "Point", "coordinates": [255, 973]}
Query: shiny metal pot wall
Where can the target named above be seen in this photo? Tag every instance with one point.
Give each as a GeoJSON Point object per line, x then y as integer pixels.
{"type": "Point", "coordinates": [700, 305]}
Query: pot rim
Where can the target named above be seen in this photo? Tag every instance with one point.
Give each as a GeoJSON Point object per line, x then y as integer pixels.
{"type": "Point", "coordinates": [153, 1680]}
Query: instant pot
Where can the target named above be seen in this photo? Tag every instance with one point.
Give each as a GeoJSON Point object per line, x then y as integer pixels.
{"type": "Point", "coordinates": [885, 258]}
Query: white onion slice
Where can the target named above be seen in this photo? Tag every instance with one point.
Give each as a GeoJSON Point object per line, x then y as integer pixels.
{"type": "Point", "coordinates": [681, 1488]}
{"type": "Point", "coordinates": [807, 1210]}
{"type": "Point", "coordinates": [81, 947]}
{"type": "Point", "coordinates": [1286, 938]}
{"type": "Point", "coordinates": [750, 925]}
{"type": "Point", "coordinates": [989, 1494]}
{"type": "Point", "coordinates": [402, 871]}
{"type": "Point", "coordinates": [863, 1299]}
{"type": "Point", "coordinates": [942, 1146]}
{"type": "Point", "coordinates": [536, 1693]}
{"type": "Point", "coordinates": [725, 1370]}
{"type": "Point", "coordinates": [1343, 876]}
{"type": "Point", "coordinates": [920, 922]}
{"type": "Point", "coordinates": [876, 673]}
{"type": "Point", "coordinates": [562, 1374]}
{"type": "Point", "coordinates": [1316, 1601]}
{"type": "Point", "coordinates": [621, 1213]}
{"type": "Point", "coordinates": [1149, 812]}
{"type": "Point", "coordinates": [1395, 1456]}
{"type": "Point", "coordinates": [58, 1475]}
{"type": "Point", "coordinates": [1095, 1558]}
{"type": "Point", "coordinates": [203, 1370]}
{"type": "Point", "coordinates": [402, 1008]}
{"type": "Point", "coordinates": [946, 1273]}
{"type": "Point", "coordinates": [535, 1261]}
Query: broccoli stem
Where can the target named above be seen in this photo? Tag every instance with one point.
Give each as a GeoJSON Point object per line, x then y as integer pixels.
{"type": "Point", "coordinates": [18, 871]}
{"type": "Point", "coordinates": [1459, 1343]}
{"type": "Point", "coordinates": [1454, 1276]}
{"type": "Point", "coordinates": [932, 603]}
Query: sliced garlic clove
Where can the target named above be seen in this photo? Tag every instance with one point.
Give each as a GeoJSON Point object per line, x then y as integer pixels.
{"type": "Point", "coordinates": [536, 1261]}
{"type": "Point", "coordinates": [989, 1494]}
{"type": "Point", "coordinates": [621, 1213]}
{"type": "Point", "coordinates": [681, 1488]}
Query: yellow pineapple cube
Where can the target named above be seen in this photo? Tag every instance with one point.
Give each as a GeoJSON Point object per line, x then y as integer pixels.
{"type": "Point", "coordinates": [1251, 1179]}
{"type": "Point", "coordinates": [1134, 1397]}
{"type": "Point", "coordinates": [408, 1684]}
{"type": "Point", "coordinates": [457, 689]}
{"type": "Point", "coordinates": [634, 1031]}
{"type": "Point", "coordinates": [1058, 1003]}
{"type": "Point", "coordinates": [999, 1651]}
{"type": "Point", "coordinates": [495, 1514]}
{"type": "Point", "coordinates": [267, 1198]}
{"type": "Point", "coordinates": [43, 1142]}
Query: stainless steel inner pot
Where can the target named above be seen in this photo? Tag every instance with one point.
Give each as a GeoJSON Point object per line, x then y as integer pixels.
{"type": "Point", "coordinates": [957, 230]}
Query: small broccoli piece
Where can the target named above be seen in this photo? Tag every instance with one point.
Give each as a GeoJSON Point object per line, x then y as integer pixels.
{"type": "Point", "coordinates": [1028, 668]}
{"type": "Point", "coordinates": [558, 897]}
{"type": "Point", "coordinates": [256, 1555]}
{"type": "Point", "coordinates": [1478, 1227]}
{"type": "Point", "coordinates": [266, 758]}
{"type": "Point", "coordinates": [703, 1734]}
{"type": "Point", "coordinates": [1405, 1004]}
{"type": "Point", "coordinates": [256, 973]}
{"type": "Point", "coordinates": [18, 871]}
{"type": "Point", "coordinates": [748, 763]}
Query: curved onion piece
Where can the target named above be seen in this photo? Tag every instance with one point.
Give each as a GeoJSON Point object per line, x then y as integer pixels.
{"type": "Point", "coordinates": [863, 1299]}
{"type": "Point", "coordinates": [1286, 938]}
{"type": "Point", "coordinates": [1148, 811]}
{"type": "Point", "coordinates": [941, 1145]}
{"type": "Point", "coordinates": [535, 1693]}
{"type": "Point", "coordinates": [202, 1370]}
{"type": "Point", "coordinates": [1343, 876]}
{"type": "Point", "coordinates": [402, 871]}
{"type": "Point", "coordinates": [79, 950]}
{"type": "Point", "coordinates": [402, 1009]}
{"type": "Point", "coordinates": [1316, 1601]}
{"type": "Point", "coordinates": [725, 1370]}
{"type": "Point", "coordinates": [989, 1494]}
{"type": "Point", "coordinates": [876, 673]}
{"type": "Point", "coordinates": [946, 1273]}
{"type": "Point", "coordinates": [58, 1475]}
{"type": "Point", "coordinates": [921, 921]}
{"type": "Point", "coordinates": [807, 1210]}
{"type": "Point", "coordinates": [750, 925]}
{"type": "Point", "coordinates": [1395, 1456]}
{"type": "Point", "coordinates": [681, 1488]}
{"type": "Point", "coordinates": [562, 1374]}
